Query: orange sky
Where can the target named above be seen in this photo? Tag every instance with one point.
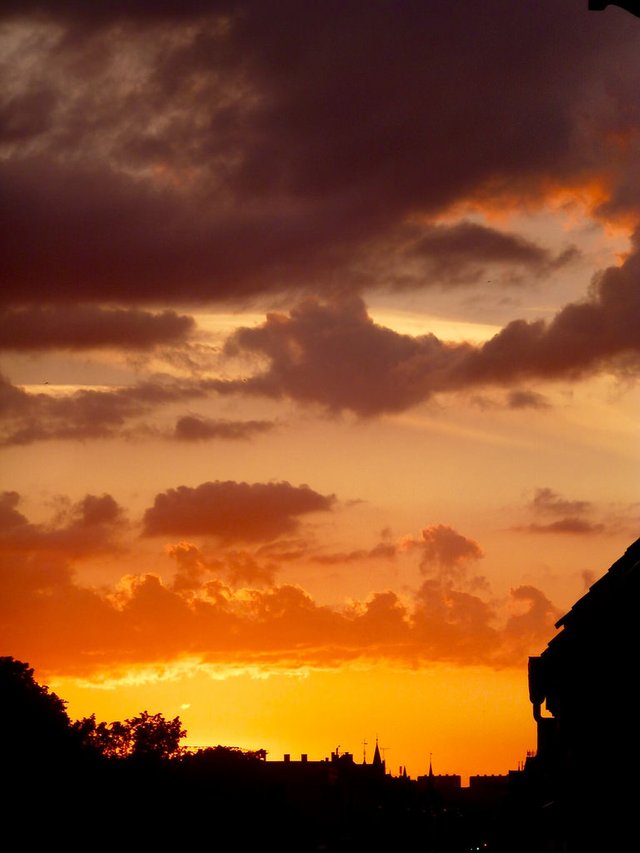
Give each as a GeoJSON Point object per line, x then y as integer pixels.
{"type": "Point", "coordinates": [318, 358]}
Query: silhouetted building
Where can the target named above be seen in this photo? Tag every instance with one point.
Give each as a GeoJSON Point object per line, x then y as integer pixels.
{"type": "Point", "coordinates": [632, 6]}
{"type": "Point", "coordinates": [378, 762]}
{"type": "Point", "coordinates": [588, 733]}
{"type": "Point", "coordinates": [490, 783]}
{"type": "Point", "coordinates": [442, 783]}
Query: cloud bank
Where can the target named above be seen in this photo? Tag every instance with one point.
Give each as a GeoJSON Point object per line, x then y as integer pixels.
{"type": "Point", "coordinates": [335, 355]}
{"type": "Point", "coordinates": [228, 607]}
{"type": "Point", "coordinates": [179, 151]}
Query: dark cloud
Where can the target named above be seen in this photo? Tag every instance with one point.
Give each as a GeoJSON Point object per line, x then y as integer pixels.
{"type": "Point", "coordinates": [443, 545]}
{"type": "Point", "coordinates": [27, 417]}
{"type": "Point", "coordinates": [588, 577]}
{"type": "Point", "coordinates": [91, 525]}
{"type": "Point", "coordinates": [466, 241]}
{"type": "Point", "coordinates": [335, 355]}
{"type": "Point", "coordinates": [568, 516]}
{"type": "Point", "coordinates": [545, 500]}
{"type": "Point", "coordinates": [383, 550]}
{"type": "Point", "coordinates": [101, 14]}
{"type": "Point", "coordinates": [556, 514]}
{"type": "Point", "coordinates": [579, 526]}
{"type": "Point", "coordinates": [521, 398]}
{"type": "Point", "coordinates": [83, 415]}
{"type": "Point", "coordinates": [10, 517]}
{"type": "Point", "coordinates": [141, 243]}
{"type": "Point", "coordinates": [165, 151]}
{"type": "Point", "coordinates": [28, 115]}
{"type": "Point", "coordinates": [445, 560]}
{"type": "Point", "coordinates": [93, 511]}
{"type": "Point", "coordinates": [233, 511]}
{"type": "Point", "coordinates": [443, 551]}
{"type": "Point", "coordinates": [581, 338]}
{"type": "Point", "coordinates": [460, 253]}
{"type": "Point", "coordinates": [77, 327]}
{"type": "Point", "coordinates": [284, 550]}
{"type": "Point", "coordinates": [518, 398]}
{"type": "Point", "coordinates": [192, 428]}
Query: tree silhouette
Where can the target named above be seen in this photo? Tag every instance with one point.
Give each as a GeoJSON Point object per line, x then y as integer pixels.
{"type": "Point", "coordinates": [110, 740]}
{"type": "Point", "coordinates": [144, 736]}
{"type": "Point", "coordinates": [152, 735]}
{"type": "Point", "coordinates": [34, 725]}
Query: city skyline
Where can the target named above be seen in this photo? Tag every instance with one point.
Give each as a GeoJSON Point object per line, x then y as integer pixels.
{"type": "Point", "coordinates": [318, 361]}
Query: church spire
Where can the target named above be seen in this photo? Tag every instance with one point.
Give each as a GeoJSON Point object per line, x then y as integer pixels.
{"type": "Point", "coordinates": [377, 760]}
{"type": "Point", "coordinates": [378, 763]}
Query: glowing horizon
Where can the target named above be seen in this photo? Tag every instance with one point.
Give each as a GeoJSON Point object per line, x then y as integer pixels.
{"type": "Point", "coordinates": [319, 348]}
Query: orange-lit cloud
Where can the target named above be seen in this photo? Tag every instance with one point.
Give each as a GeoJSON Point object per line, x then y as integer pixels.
{"type": "Point", "coordinates": [145, 620]}
{"type": "Point", "coordinates": [531, 624]}
{"type": "Point", "coordinates": [238, 566]}
{"type": "Point", "coordinates": [212, 609]}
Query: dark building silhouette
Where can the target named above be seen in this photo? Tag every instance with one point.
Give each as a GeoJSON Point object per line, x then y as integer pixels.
{"type": "Point", "coordinates": [576, 794]}
{"type": "Point", "coordinates": [583, 688]}
{"type": "Point", "coordinates": [632, 6]}
{"type": "Point", "coordinates": [378, 761]}
{"type": "Point", "coordinates": [441, 783]}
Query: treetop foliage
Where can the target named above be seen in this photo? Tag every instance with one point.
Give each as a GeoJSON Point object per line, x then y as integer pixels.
{"type": "Point", "coordinates": [33, 720]}
{"type": "Point", "coordinates": [35, 728]}
{"type": "Point", "coordinates": [34, 723]}
{"type": "Point", "coordinates": [146, 735]}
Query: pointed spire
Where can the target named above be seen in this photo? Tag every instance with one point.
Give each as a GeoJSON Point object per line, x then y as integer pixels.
{"type": "Point", "coordinates": [377, 760]}
{"type": "Point", "coordinates": [430, 766]}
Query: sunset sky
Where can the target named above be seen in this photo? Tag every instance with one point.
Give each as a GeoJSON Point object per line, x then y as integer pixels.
{"type": "Point", "coordinates": [319, 348]}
